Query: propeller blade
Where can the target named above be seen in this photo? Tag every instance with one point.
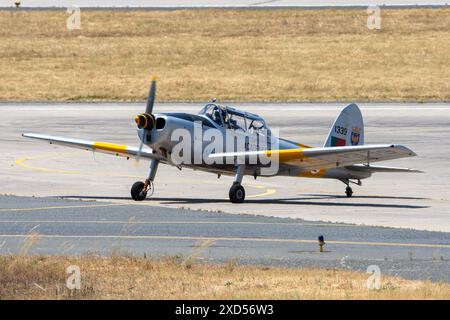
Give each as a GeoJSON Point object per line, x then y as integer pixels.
{"type": "Point", "coordinates": [138, 156]}
{"type": "Point", "coordinates": [147, 116]}
{"type": "Point", "coordinates": [151, 96]}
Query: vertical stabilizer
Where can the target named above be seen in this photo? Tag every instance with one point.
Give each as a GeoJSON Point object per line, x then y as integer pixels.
{"type": "Point", "coordinates": [347, 129]}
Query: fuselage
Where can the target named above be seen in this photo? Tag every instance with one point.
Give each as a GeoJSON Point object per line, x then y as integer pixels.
{"type": "Point", "coordinates": [200, 133]}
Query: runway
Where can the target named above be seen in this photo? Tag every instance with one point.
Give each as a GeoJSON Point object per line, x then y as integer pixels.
{"type": "Point", "coordinates": [65, 227]}
{"type": "Point", "coordinates": [418, 201]}
{"type": "Point", "coordinates": [161, 4]}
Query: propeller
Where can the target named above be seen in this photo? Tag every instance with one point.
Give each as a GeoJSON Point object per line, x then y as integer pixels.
{"type": "Point", "coordinates": [151, 96]}
{"type": "Point", "coordinates": [138, 157]}
{"type": "Point", "coordinates": [146, 121]}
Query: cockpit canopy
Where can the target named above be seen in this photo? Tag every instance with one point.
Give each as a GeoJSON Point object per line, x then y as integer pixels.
{"type": "Point", "coordinates": [231, 118]}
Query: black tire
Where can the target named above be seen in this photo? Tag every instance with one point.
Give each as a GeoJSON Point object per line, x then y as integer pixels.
{"type": "Point", "coordinates": [136, 191]}
{"type": "Point", "coordinates": [237, 193]}
{"type": "Point", "coordinates": [349, 192]}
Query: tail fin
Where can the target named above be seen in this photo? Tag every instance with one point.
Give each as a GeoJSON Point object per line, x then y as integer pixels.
{"type": "Point", "coordinates": [347, 129]}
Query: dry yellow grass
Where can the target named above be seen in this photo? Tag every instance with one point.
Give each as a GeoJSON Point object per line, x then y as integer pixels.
{"type": "Point", "coordinates": [237, 55]}
{"type": "Point", "coordinates": [119, 277]}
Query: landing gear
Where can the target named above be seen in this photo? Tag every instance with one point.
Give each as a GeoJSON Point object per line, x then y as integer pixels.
{"type": "Point", "coordinates": [137, 191]}
{"type": "Point", "coordinates": [140, 189]}
{"type": "Point", "coordinates": [237, 191]}
{"type": "Point", "coordinates": [348, 191]}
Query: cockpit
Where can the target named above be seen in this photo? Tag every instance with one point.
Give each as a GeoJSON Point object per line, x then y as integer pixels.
{"type": "Point", "coordinates": [231, 118]}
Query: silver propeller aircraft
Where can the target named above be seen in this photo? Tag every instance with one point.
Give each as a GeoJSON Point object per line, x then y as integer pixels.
{"type": "Point", "coordinates": [344, 155]}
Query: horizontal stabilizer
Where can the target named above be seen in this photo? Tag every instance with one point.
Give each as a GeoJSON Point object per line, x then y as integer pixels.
{"type": "Point", "coordinates": [373, 169]}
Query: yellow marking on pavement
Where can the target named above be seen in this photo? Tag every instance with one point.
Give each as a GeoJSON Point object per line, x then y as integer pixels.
{"type": "Point", "coordinates": [151, 237]}
{"type": "Point", "coordinates": [267, 192]}
{"type": "Point", "coordinates": [61, 207]}
{"type": "Point", "coordinates": [106, 146]}
{"type": "Point", "coordinates": [21, 162]}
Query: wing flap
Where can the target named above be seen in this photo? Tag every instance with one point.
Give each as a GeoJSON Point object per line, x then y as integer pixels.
{"type": "Point", "coordinates": [99, 146]}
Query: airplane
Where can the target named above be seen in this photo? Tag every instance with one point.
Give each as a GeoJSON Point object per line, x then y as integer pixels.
{"type": "Point", "coordinates": [344, 156]}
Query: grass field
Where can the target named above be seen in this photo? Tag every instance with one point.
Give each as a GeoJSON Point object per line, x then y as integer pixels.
{"type": "Point", "coordinates": [234, 55]}
{"type": "Point", "coordinates": [119, 277]}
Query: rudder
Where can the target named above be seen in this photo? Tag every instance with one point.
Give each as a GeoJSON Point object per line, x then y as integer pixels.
{"type": "Point", "coordinates": [347, 129]}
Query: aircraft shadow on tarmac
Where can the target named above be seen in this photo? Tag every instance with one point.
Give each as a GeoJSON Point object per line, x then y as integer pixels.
{"type": "Point", "coordinates": [282, 201]}
{"type": "Point", "coordinates": [365, 197]}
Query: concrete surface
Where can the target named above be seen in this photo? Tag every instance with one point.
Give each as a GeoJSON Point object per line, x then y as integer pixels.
{"type": "Point", "coordinates": [419, 201]}
{"type": "Point", "coordinates": [217, 3]}
{"type": "Point", "coordinates": [64, 227]}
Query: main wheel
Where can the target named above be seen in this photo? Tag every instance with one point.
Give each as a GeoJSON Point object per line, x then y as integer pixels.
{"type": "Point", "coordinates": [237, 193]}
{"type": "Point", "coordinates": [137, 192]}
{"type": "Point", "coordinates": [348, 192]}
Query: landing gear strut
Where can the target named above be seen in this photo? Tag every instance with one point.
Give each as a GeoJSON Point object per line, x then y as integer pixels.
{"type": "Point", "coordinates": [348, 191]}
{"type": "Point", "coordinates": [237, 191]}
{"type": "Point", "coordinates": [140, 189]}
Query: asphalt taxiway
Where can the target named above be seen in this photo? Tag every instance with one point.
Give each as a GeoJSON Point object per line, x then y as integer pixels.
{"type": "Point", "coordinates": [67, 227]}
{"type": "Point", "coordinates": [419, 201]}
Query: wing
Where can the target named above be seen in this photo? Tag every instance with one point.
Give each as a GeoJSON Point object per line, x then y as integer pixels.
{"type": "Point", "coordinates": [103, 147]}
{"type": "Point", "coordinates": [326, 158]}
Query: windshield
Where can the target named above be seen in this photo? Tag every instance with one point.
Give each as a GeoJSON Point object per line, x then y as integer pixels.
{"type": "Point", "coordinates": [234, 119]}
{"type": "Point", "coordinates": [215, 113]}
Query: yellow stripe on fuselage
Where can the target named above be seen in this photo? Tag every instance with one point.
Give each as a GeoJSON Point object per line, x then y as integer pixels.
{"type": "Point", "coordinates": [313, 173]}
{"type": "Point", "coordinates": [111, 147]}
{"type": "Point", "coordinates": [304, 145]}
{"type": "Point", "coordinates": [287, 155]}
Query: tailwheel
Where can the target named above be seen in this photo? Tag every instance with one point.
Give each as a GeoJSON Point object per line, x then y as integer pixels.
{"type": "Point", "coordinates": [348, 191]}
{"type": "Point", "coordinates": [139, 191]}
{"type": "Point", "coordinates": [237, 193]}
